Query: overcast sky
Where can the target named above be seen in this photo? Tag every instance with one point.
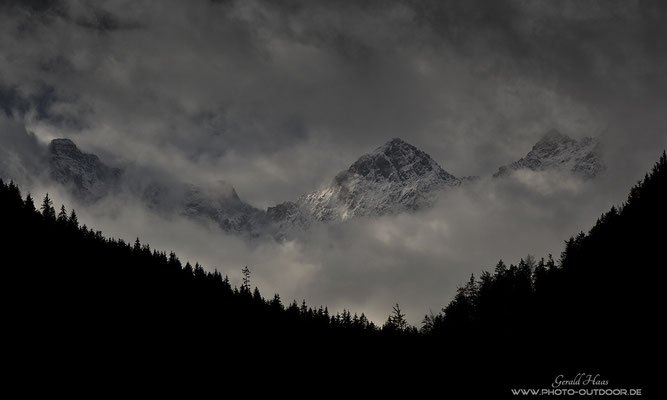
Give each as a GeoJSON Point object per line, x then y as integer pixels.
{"type": "Point", "coordinates": [276, 97]}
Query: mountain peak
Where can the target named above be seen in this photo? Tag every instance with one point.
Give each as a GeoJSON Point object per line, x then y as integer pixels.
{"type": "Point", "coordinates": [555, 150]}
{"type": "Point", "coordinates": [395, 160]}
{"type": "Point", "coordinates": [395, 142]}
{"type": "Point", "coordinates": [89, 178]}
{"type": "Point", "coordinates": [394, 177]}
{"type": "Point", "coordinates": [395, 147]}
{"type": "Point", "coordinates": [218, 190]}
{"type": "Point", "coordinates": [553, 140]}
{"type": "Point", "coordinates": [554, 135]}
{"type": "Point", "coordinates": [63, 141]}
{"type": "Point", "coordinates": [62, 145]}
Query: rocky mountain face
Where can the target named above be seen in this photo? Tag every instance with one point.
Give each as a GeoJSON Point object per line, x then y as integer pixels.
{"type": "Point", "coordinates": [395, 177]}
{"type": "Point", "coordinates": [89, 180]}
{"type": "Point", "coordinates": [557, 151]}
{"type": "Point", "coordinates": [219, 202]}
{"type": "Point", "coordinates": [286, 219]}
{"type": "Point", "coordinates": [84, 174]}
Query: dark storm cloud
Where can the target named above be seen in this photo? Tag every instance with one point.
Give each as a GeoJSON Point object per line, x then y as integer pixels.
{"type": "Point", "coordinates": [603, 57]}
{"type": "Point", "coordinates": [277, 97]}
{"type": "Point", "coordinates": [471, 82]}
{"type": "Point", "coordinates": [35, 7]}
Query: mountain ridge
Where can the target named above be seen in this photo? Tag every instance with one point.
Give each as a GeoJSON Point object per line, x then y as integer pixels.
{"type": "Point", "coordinates": [555, 150]}
{"type": "Point", "coordinates": [392, 178]}
{"type": "Point", "coordinates": [395, 177]}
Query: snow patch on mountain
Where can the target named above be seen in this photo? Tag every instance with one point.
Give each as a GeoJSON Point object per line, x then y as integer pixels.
{"type": "Point", "coordinates": [556, 151]}
{"type": "Point", "coordinates": [395, 177]}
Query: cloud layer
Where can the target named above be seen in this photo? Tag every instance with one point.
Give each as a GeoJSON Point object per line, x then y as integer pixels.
{"type": "Point", "coordinates": [367, 265]}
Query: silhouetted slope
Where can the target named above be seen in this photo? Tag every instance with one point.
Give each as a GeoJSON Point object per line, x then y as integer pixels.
{"type": "Point", "coordinates": [54, 262]}
{"type": "Point", "coordinates": [98, 304]}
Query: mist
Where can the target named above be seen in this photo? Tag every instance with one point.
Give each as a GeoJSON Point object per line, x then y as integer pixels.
{"type": "Point", "coordinates": [369, 264]}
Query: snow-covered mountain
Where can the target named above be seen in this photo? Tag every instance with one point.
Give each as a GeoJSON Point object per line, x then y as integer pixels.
{"type": "Point", "coordinates": [558, 151]}
{"type": "Point", "coordinates": [395, 177]}
{"type": "Point", "coordinates": [84, 174]}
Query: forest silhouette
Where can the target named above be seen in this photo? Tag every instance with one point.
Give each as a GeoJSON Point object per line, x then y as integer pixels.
{"type": "Point", "coordinates": [72, 294]}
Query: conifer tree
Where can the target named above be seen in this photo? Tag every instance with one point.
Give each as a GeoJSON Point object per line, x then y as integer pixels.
{"type": "Point", "coordinates": [73, 220]}
{"type": "Point", "coordinates": [396, 320]}
{"type": "Point", "coordinates": [48, 211]}
{"type": "Point", "coordinates": [62, 215]}
{"type": "Point", "coordinates": [256, 295]}
{"type": "Point", "coordinates": [276, 304]}
{"type": "Point", "coordinates": [246, 279]}
{"type": "Point", "coordinates": [29, 204]}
